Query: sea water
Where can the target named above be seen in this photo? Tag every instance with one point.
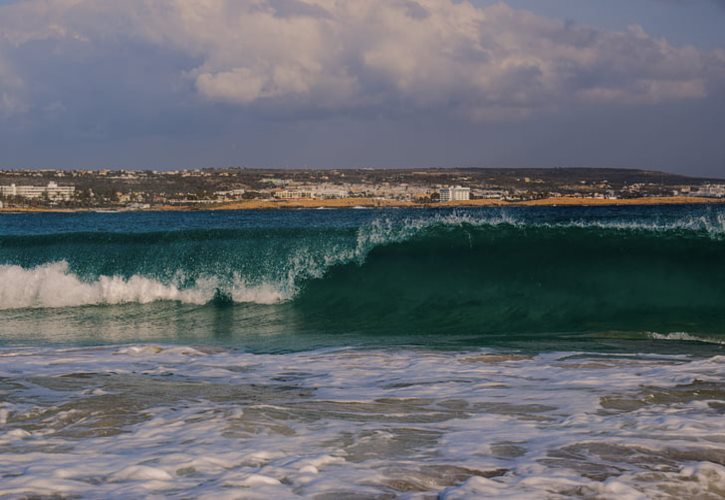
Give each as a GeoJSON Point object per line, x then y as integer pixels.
{"type": "Point", "coordinates": [503, 353]}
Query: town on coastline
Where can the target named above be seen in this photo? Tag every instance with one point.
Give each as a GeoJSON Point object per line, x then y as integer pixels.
{"type": "Point", "coordinates": [262, 188]}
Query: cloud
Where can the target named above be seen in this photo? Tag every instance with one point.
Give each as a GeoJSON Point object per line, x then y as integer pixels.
{"type": "Point", "coordinates": [11, 89]}
{"type": "Point", "coordinates": [381, 56]}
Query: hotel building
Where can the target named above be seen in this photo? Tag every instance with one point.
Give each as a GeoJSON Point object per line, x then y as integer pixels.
{"type": "Point", "coordinates": [53, 191]}
{"type": "Point", "coordinates": [455, 193]}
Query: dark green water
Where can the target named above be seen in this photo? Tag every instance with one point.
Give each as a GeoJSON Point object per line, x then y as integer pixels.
{"type": "Point", "coordinates": [591, 278]}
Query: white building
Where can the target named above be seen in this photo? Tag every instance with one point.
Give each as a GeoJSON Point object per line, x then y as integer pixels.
{"type": "Point", "coordinates": [232, 193]}
{"type": "Point", "coordinates": [285, 194]}
{"type": "Point", "coordinates": [711, 191]}
{"type": "Point", "coordinates": [490, 194]}
{"type": "Point", "coordinates": [455, 193]}
{"type": "Point", "coordinates": [53, 191]}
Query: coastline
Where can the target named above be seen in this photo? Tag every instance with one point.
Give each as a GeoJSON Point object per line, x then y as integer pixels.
{"type": "Point", "coordinates": [384, 203]}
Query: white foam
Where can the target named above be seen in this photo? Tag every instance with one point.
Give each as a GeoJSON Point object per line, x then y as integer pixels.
{"type": "Point", "coordinates": [683, 336]}
{"type": "Point", "coordinates": [356, 422]}
{"type": "Point", "coordinates": [141, 473]}
{"type": "Point", "coordinates": [713, 225]}
{"type": "Point", "coordinates": [53, 285]}
{"type": "Point", "coordinates": [388, 230]}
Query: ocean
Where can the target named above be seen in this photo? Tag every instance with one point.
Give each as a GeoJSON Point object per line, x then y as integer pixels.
{"type": "Point", "coordinates": [519, 352]}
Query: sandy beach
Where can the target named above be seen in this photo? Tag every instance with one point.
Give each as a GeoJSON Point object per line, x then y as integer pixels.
{"type": "Point", "coordinates": [383, 203]}
{"type": "Point", "coordinates": [379, 203]}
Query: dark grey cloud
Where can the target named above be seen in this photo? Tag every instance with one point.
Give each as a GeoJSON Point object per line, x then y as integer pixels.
{"type": "Point", "coordinates": [228, 78]}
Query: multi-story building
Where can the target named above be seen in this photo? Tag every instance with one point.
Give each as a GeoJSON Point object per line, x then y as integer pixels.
{"type": "Point", "coordinates": [455, 193]}
{"type": "Point", "coordinates": [285, 194]}
{"type": "Point", "coordinates": [53, 191]}
{"type": "Point", "coordinates": [232, 193]}
{"type": "Point", "coordinates": [490, 194]}
{"type": "Point", "coordinates": [711, 191]}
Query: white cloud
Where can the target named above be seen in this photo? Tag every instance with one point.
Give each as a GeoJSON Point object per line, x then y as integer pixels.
{"type": "Point", "coordinates": [445, 55]}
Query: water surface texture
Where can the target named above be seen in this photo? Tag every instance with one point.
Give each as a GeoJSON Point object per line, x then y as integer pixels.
{"type": "Point", "coordinates": [555, 352]}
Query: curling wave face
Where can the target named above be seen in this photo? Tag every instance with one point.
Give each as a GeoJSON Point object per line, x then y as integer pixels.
{"type": "Point", "coordinates": [193, 267]}
{"type": "Point", "coordinates": [523, 271]}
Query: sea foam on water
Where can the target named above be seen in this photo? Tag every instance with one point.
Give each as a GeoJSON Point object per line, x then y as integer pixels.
{"type": "Point", "coordinates": [178, 421]}
{"type": "Point", "coordinates": [54, 286]}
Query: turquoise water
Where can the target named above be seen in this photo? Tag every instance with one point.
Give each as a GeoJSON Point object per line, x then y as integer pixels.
{"type": "Point", "coordinates": [286, 280]}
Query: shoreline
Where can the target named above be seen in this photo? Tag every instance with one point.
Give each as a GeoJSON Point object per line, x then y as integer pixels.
{"type": "Point", "coordinates": [352, 203]}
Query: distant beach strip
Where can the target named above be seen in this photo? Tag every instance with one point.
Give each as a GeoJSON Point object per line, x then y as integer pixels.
{"type": "Point", "coordinates": [386, 203]}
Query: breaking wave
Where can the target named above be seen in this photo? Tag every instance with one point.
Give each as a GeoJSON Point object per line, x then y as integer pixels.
{"type": "Point", "coordinates": [686, 337]}
{"type": "Point", "coordinates": [53, 285]}
{"type": "Point", "coordinates": [494, 273]}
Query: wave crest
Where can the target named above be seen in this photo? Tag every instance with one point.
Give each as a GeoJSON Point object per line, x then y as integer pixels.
{"type": "Point", "coordinates": [53, 286]}
{"type": "Point", "coordinates": [249, 273]}
{"type": "Point", "coordinates": [685, 337]}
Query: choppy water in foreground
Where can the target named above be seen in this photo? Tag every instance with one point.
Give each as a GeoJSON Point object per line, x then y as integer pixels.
{"type": "Point", "coordinates": [524, 352]}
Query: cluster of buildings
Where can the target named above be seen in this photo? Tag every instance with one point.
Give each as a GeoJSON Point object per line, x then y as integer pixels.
{"type": "Point", "coordinates": [710, 191]}
{"type": "Point", "coordinates": [140, 190]}
{"type": "Point", "coordinates": [52, 191]}
{"type": "Point", "coordinates": [385, 190]}
{"type": "Point", "coordinates": [285, 189]}
{"type": "Point", "coordinates": [402, 191]}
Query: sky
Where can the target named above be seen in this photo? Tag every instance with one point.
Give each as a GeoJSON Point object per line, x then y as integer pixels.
{"type": "Point", "coordinates": [167, 84]}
